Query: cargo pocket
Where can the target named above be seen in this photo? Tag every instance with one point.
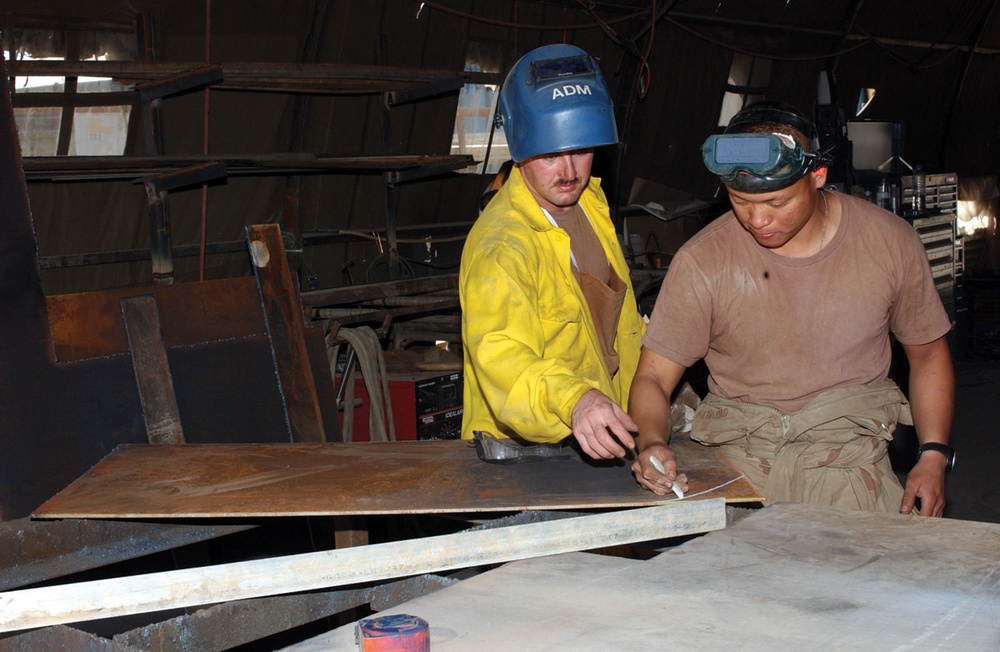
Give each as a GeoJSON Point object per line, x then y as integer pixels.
{"type": "Point", "coordinates": [719, 421]}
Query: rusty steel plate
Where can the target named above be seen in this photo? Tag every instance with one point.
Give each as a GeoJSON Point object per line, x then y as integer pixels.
{"type": "Point", "coordinates": [419, 477]}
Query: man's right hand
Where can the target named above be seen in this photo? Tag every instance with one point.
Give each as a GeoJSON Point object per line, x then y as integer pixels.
{"type": "Point", "coordinates": [601, 427]}
{"type": "Point", "coordinates": [647, 475]}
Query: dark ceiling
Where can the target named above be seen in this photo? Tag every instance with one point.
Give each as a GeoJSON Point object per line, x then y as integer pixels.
{"type": "Point", "coordinates": [934, 65]}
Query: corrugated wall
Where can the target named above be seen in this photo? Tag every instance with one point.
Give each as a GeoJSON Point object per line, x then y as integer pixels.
{"type": "Point", "coordinates": [946, 97]}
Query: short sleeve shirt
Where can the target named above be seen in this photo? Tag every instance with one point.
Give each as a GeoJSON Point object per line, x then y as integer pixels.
{"type": "Point", "coordinates": [777, 331]}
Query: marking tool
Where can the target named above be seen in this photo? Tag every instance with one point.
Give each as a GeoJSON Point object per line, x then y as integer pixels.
{"type": "Point", "coordinates": [655, 461]}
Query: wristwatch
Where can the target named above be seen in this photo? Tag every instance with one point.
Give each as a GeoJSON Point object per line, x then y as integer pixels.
{"type": "Point", "coordinates": [944, 449]}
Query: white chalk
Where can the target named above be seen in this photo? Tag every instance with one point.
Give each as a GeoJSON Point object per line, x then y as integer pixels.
{"type": "Point", "coordinates": [655, 461]}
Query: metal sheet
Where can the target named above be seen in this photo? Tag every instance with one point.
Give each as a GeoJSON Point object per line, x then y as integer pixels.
{"type": "Point", "coordinates": [224, 480]}
{"type": "Point", "coordinates": [68, 391]}
{"type": "Point", "coordinates": [105, 333]}
{"type": "Point", "coordinates": [790, 577]}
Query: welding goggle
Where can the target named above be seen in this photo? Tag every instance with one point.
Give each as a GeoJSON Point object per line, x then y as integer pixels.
{"type": "Point", "coordinates": [758, 162]}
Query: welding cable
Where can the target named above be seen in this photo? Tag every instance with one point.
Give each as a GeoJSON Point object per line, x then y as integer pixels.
{"type": "Point", "coordinates": [345, 401]}
{"type": "Point", "coordinates": [381, 262]}
{"type": "Point", "coordinates": [367, 349]}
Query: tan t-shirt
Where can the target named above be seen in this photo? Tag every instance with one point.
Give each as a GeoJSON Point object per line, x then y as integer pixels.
{"type": "Point", "coordinates": [778, 331]}
{"type": "Point", "coordinates": [604, 291]}
{"type": "Point", "coordinates": [587, 250]}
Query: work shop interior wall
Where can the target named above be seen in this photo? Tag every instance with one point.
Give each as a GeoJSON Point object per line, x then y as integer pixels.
{"type": "Point", "coordinates": [934, 66]}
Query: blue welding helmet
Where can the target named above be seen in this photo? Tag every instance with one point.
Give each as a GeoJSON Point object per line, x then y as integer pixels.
{"type": "Point", "coordinates": [757, 153]}
{"type": "Point", "coordinates": [555, 100]}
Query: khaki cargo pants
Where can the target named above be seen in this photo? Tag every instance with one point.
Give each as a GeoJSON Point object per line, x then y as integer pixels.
{"type": "Point", "coordinates": [833, 452]}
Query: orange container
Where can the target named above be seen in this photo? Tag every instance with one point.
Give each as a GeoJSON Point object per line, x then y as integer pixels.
{"type": "Point", "coordinates": [393, 633]}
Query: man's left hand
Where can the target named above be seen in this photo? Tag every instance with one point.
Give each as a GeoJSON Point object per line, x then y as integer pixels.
{"type": "Point", "coordinates": [925, 482]}
{"type": "Point", "coordinates": [595, 419]}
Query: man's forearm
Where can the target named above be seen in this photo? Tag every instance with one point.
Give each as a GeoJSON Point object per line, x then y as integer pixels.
{"type": "Point", "coordinates": [932, 390]}
{"type": "Point", "coordinates": [650, 409]}
{"type": "Point", "coordinates": [649, 398]}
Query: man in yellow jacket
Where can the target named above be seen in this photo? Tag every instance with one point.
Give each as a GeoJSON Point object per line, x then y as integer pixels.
{"type": "Point", "coordinates": [550, 324]}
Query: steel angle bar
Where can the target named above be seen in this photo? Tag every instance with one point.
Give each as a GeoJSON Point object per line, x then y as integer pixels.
{"type": "Point", "coordinates": [52, 605]}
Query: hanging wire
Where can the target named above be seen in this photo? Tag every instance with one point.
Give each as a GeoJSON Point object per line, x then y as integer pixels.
{"type": "Point", "coordinates": [515, 24]}
{"type": "Point", "coordinates": [609, 31]}
{"type": "Point", "coordinates": [644, 76]}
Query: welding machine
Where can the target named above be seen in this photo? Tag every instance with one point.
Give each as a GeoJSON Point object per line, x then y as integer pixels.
{"type": "Point", "coordinates": [425, 405]}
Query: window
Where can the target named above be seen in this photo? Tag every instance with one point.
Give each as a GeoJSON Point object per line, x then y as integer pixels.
{"type": "Point", "coordinates": [474, 133]}
{"type": "Point", "coordinates": [748, 79]}
{"type": "Point", "coordinates": [96, 129]}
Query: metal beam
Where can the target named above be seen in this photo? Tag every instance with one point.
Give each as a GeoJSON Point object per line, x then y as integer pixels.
{"type": "Point", "coordinates": [51, 605]}
{"type": "Point", "coordinates": [187, 80]}
{"type": "Point", "coordinates": [285, 331]}
{"type": "Point", "coordinates": [100, 168]}
{"type": "Point", "coordinates": [152, 370]}
{"type": "Point", "coordinates": [320, 78]}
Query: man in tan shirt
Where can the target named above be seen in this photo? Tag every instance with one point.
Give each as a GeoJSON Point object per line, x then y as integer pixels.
{"type": "Point", "coordinates": [791, 299]}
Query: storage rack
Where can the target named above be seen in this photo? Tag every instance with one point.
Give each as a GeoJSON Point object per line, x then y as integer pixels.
{"type": "Point", "coordinates": [936, 225]}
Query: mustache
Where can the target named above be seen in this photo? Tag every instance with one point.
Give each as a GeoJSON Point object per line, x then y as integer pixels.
{"type": "Point", "coordinates": [565, 182]}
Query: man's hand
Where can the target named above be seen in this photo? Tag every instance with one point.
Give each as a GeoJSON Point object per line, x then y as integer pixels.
{"type": "Point", "coordinates": [649, 477]}
{"type": "Point", "coordinates": [926, 482]}
{"type": "Point", "coordinates": [595, 418]}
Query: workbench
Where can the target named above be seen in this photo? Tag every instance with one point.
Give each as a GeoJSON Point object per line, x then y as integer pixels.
{"type": "Point", "coordinates": [787, 577]}
{"type": "Point", "coordinates": [361, 479]}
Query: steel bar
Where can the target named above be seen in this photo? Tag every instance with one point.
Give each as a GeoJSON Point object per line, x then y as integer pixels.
{"type": "Point", "coordinates": [355, 294]}
{"type": "Point", "coordinates": [190, 176]}
{"type": "Point", "coordinates": [152, 371]}
{"type": "Point", "coordinates": [233, 246]}
{"type": "Point", "coordinates": [183, 82]}
{"type": "Point", "coordinates": [326, 78]}
{"type": "Point", "coordinates": [285, 325]}
{"type": "Point", "coordinates": [99, 168]}
{"type": "Point", "coordinates": [84, 601]}
{"type": "Point", "coordinates": [46, 100]}
{"type": "Point", "coordinates": [162, 267]}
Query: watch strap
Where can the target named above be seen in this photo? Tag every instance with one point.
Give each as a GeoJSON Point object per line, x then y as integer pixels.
{"type": "Point", "coordinates": [944, 449]}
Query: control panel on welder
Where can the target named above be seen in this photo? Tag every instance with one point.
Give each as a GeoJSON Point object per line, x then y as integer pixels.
{"type": "Point", "coordinates": [439, 407]}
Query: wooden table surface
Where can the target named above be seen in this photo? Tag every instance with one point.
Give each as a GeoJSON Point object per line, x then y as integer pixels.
{"type": "Point", "coordinates": [788, 577]}
{"type": "Point", "coordinates": [363, 478]}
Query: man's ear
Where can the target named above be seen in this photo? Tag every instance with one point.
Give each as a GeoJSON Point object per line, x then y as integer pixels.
{"type": "Point", "coordinates": [819, 176]}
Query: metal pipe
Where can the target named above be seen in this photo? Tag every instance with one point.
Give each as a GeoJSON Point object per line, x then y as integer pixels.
{"type": "Point", "coordinates": [204, 186]}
